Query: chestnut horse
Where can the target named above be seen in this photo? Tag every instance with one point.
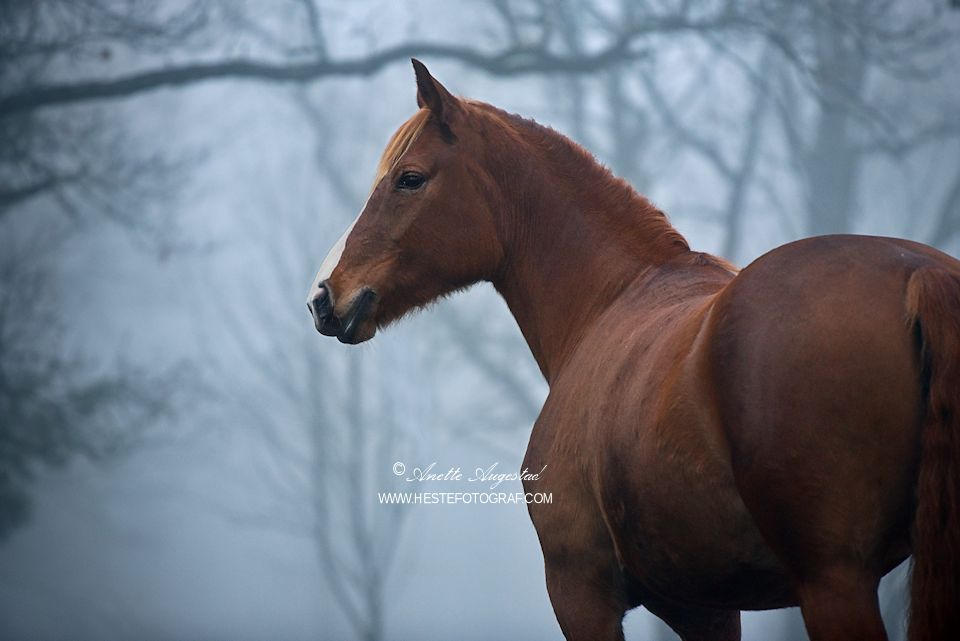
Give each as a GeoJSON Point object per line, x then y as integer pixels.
{"type": "Point", "coordinates": [715, 440]}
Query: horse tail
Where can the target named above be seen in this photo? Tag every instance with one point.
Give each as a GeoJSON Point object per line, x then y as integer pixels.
{"type": "Point", "coordinates": [933, 302]}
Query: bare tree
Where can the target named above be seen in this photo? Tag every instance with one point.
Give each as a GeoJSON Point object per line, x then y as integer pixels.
{"type": "Point", "coordinates": [825, 85]}
{"type": "Point", "coordinates": [78, 158]}
{"type": "Point", "coordinates": [55, 407]}
{"type": "Point", "coordinates": [525, 51]}
{"type": "Point", "coordinates": [860, 61]}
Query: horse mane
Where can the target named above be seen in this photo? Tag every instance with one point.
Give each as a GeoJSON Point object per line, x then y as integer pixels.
{"type": "Point", "coordinates": [622, 207]}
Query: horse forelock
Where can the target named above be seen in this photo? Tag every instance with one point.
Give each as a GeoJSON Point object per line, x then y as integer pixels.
{"type": "Point", "coordinates": [399, 143]}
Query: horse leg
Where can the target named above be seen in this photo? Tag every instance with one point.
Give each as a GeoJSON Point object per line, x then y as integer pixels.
{"type": "Point", "coordinates": [586, 585]}
{"type": "Point", "coordinates": [584, 580]}
{"type": "Point", "coordinates": [699, 624]}
{"type": "Point", "coordinates": [842, 605]}
{"type": "Point", "coordinates": [587, 600]}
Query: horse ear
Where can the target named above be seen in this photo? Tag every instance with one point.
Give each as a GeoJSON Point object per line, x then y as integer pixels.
{"type": "Point", "coordinates": [432, 95]}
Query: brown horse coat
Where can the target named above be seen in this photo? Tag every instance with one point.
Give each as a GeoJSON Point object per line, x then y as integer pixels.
{"type": "Point", "coordinates": [738, 437]}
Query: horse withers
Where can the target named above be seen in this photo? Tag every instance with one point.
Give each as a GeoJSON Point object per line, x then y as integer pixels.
{"type": "Point", "coordinates": [715, 440]}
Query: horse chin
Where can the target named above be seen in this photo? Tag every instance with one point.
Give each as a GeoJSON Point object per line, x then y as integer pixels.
{"type": "Point", "coordinates": [359, 325]}
{"type": "Point", "coordinates": [359, 333]}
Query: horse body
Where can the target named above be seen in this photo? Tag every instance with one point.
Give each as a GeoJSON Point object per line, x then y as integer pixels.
{"type": "Point", "coordinates": [719, 424]}
{"type": "Point", "coordinates": [629, 427]}
{"type": "Point", "coordinates": [714, 440]}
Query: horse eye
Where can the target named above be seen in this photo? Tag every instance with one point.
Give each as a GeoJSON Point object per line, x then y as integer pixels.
{"type": "Point", "coordinates": [410, 180]}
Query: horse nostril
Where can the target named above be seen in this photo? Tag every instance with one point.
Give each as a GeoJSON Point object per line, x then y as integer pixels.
{"type": "Point", "coordinates": [316, 305]}
{"type": "Point", "coordinates": [320, 297]}
{"type": "Point", "coordinates": [321, 308]}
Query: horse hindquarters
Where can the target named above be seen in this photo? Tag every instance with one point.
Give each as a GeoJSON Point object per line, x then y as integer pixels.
{"type": "Point", "coordinates": [820, 397]}
{"type": "Point", "coordinates": [934, 303]}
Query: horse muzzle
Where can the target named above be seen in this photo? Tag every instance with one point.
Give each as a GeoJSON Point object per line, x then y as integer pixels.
{"type": "Point", "coordinates": [347, 327]}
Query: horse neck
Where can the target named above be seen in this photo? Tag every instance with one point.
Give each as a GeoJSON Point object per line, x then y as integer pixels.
{"type": "Point", "coordinates": [573, 248]}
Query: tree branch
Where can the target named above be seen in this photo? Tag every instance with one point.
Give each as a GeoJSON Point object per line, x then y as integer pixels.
{"type": "Point", "coordinates": [16, 195]}
{"type": "Point", "coordinates": [512, 61]}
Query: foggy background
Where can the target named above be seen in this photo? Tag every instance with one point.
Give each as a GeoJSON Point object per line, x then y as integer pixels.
{"type": "Point", "coordinates": [183, 457]}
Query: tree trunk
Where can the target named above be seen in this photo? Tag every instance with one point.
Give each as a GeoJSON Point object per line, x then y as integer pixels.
{"type": "Point", "coordinates": [831, 163]}
{"type": "Point", "coordinates": [740, 187]}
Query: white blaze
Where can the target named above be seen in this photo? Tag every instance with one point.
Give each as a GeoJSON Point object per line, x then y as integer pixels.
{"type": "Point", "coordinates": [332, 260]}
